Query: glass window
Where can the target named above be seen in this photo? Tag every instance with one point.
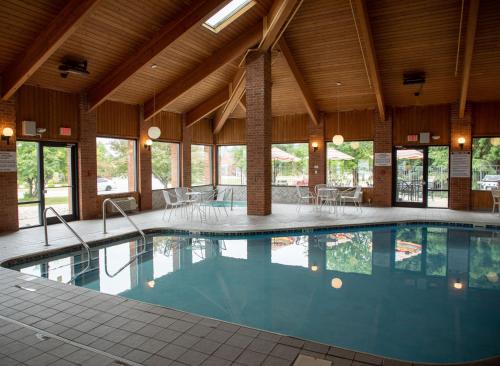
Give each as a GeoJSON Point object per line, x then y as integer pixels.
{"type": "Point", "coordinates": [201, 165]}
{"type": "Point", "coordinates": [350, 164]}
{"type": "Point", "coordinates": [290, 164]}
{"type": "Point", "coordinates": [165, 165]}
{"type": "Point", "coordinates": [486, 163]}
{"type": "Point", "coordinates": [227, 14]}
{"type": "Point", "coordinates": [232, 167]}
{"type": "Point", "coordinates": [116, 166]}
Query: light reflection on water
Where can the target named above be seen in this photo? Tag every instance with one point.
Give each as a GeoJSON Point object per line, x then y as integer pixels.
{"type": "Point", "coordinates": [418, 293]}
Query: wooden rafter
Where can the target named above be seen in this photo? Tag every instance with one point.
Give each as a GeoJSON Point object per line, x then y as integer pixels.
{"type": "Point", "coordinates": [275, 23]}
{"type": "Point", "coordinates": [54, 35]}
{"type": "Point", "coordinates": [181, 24]}
{"type": "Point", "coordinates": [370, 56]}
{"type": "Point", "coordinates": [219, 58]}
{"type": "Point", "coordinates": [207, 107]}
{"type": "Point", "coordinates": [305, 93]}
{"type": "Point", "coordinates": [469, 50]}
{"type": "Point", "coordinates": [237, 88]}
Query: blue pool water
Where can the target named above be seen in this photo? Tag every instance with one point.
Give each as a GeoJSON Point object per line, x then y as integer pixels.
{"type": "Point", "coordinates": [413, 292]}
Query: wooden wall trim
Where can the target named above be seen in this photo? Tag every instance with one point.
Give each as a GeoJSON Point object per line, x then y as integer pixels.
{"type": "Point", "coordinates": [203, 132]}
{"type": "Point", "coordinates": [486, 119]}
{"type": "Point", "coordinates": [118, 120]}
{"type": "Point", "coordinates": [354, 125]}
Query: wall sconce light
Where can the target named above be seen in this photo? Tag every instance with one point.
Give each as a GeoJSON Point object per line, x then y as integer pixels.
{"type": "Point", "coordinates": [147, 144]}
{"type": "Point", "coordinates": [7, 133]}
{"type": "Point", "coordinates": [315, 146]}
{"type": "Point", "coordinates": [461, 142]}
{"type": "Point", "coordinates": [457, 285]}
{"type": "Point", "coordinates": [314, 268]}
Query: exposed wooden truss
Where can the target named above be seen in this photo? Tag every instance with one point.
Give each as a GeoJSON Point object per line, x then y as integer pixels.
{"type": "Point", "coordinates": [275, 23]}
{"type": "Point", "coordinates": [207, 107]}
{"type": "Point", "coordinates": [198, 11]}
{"type": "Point", "coordinates": [469, 49]}
{"type": "Point", "coordinates": [305, 93]}
{"type": "Point", "coordinates": [54, 35]}
{"type": "Point", "coordinates": [214, 62]}
{"type": "Point", "coordinates": [370, 56]}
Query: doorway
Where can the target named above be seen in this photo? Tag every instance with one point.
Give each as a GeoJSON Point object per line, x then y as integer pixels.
{"type": "Point", "coordinates": [421, 176]}
{"type": "Point", "coordinates": [46, 176]}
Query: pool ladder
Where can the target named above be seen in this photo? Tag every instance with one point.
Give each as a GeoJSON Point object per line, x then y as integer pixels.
{"type": "Point", "coordinates": [119, 209]}
{"type": "Point", "coordinates": [82, 242]}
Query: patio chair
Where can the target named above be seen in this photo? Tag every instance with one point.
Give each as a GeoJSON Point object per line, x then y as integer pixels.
{"type": "Point", "coordinates": [222, 195]}
{"type": "Point", "coordinates": [330, 198]}
{"type": "Point", "coordinates": [352, 195]}
{"type": "Point", "coordinates": [205, 204]}
{"type": "Point", "coordinates": [302, 196]}
{"type": "Point", "coordinates": [183, 199]}
{"type": "Point", "coordinates": [173, 205]}
{"type": "Point", "coordinates": [495, 194]}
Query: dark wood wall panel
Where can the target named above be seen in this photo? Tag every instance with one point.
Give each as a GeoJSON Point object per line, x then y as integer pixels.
{"type": "Point", "coordinates": [481, 200]}
{"type": "Point", "coordinates": [50, 109]}
{"type": "Point", "coordinates": [118, 120]}
{"type": "Point", "coordinates": [203, 132]}
{"type": "Point", "coordinates": [233, 132]}
{"type": "Point", "coordinates": [291, 128]}
{"type": "Point", "coordinates": [486, 119]}
{"type": "Point", "coordinates": [413, 120]}
{"type": "Point", "coordinates": [354, 125]}
{"type": "Point", "coordinates": [170, 125]}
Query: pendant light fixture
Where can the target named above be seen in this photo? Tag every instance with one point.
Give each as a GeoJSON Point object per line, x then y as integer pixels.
{"type": "Point", "coordinates": [338, 139]}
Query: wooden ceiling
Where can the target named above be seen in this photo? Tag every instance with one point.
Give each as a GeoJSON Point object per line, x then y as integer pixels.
{"type": "Point", "coordinates": [420, 35]}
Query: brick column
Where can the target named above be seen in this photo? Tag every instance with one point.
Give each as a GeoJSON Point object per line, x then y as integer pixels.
{"type": "Point", "coordinates": [258, 133]}
{"type": "Point", "coordinates": [87, 161]}
{"type": "Point", "coordinates": [382, 175]}
{"type": "Point", "coordinates": [317, 159]}
{"type": "Point", "coordinates": [187, 136]}
{"type": "Point", "coordinates": [145, 168]}
{"type": "Point", "coordinates": [8, 180]}
{"type": "Point", "coordinates": [460, 127]}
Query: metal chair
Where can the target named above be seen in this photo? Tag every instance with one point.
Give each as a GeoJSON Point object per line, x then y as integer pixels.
{"type": "Point", "coordinates": [495, 194]}
{"type": "Point", "coordinates": [169, 204]}
{"type": "Point", "coordinates": [352, 195]}
{"type": "Point", "coordinates": [303, 197]}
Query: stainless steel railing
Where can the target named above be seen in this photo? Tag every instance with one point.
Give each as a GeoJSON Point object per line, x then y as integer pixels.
{"type": "Point", "coordinates": [83, 242]}
{"type": "Point", "coordinates": [104, 205]}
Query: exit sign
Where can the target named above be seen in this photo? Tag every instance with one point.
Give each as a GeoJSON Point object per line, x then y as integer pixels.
{"type": "Point", "coordinates": [65, 131]}
{"type": "Point", "coordinates": [412, 138]}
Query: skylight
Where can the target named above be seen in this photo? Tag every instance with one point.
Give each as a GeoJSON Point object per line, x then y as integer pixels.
{"type": "Point", "coordinates": [227, 14]}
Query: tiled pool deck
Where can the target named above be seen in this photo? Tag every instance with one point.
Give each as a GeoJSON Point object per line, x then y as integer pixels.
{"type": "Point", "coordinates": [85, 327]}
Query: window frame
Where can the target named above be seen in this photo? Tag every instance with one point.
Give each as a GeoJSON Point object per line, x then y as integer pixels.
{"type": "Point", "coordinates": [136, 165]}
{"type": "Point", "coordinates": [329, 141]}
{"type": "Point", "coordinates": [211, 183]}
{"type": "Point", "coordinates": [308, 157]}
{"type": "Point", "coordinates": [218, 165]}
{"type": "Point", "coordinates": [472, 161]}
{"type": "Point", "coordinates": [231, 17]}
{"type": "Point", "coordinates": [179, 162]}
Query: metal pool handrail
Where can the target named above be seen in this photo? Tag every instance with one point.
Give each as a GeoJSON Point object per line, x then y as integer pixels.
{"type": "Point", "coordinates": [83, 242]}
{"type": "Point", "coordinates": [109, 200]}
{"type": "Point", "coordinates": [125, 265]}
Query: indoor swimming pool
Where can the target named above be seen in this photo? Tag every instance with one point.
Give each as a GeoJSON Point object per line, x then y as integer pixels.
{"type": "Point", "coordinates": [423, 293]}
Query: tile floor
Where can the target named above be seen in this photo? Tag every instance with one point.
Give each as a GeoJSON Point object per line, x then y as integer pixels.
{"type": "Point", "coordinates": [57, 324]}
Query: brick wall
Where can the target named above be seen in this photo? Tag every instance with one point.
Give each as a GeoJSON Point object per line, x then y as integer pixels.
{"type": "Point", "coordinates": [187, 137]}
{"type": "Point", "coordinates": [8, 180]}
{"type": "Point", "coordinates": [258, 132]}
{"type": "Point", "coordinates": [382, 175]}
{"type": "Point", "coordinates": [460, 127]}
{"type": "Point", "coordinates": [144, 175]}
{"type": "Point", "coordinates": [87, 162]}
{"type": "Point", "coordinates": [317, 159]}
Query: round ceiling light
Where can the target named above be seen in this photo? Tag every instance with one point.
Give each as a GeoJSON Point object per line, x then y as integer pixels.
{"type": "Point", "coordinates": [154, 132]}
{"type": "Point", "coordinates": [338, 139]}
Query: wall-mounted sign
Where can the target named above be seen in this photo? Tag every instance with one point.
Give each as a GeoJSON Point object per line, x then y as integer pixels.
{"type": "Point", "coordinates": [383, 159]}
{"type": "Point", "coordinates": [412, 138]}
{"type": "Point", "coordinates": [425, 137]}
{"type": "Point", "coordinates": [8, 161]}
{"type": "Point", "coordinates": [460, 164]}
{"type": "Point", "coordinates": [65, 131]}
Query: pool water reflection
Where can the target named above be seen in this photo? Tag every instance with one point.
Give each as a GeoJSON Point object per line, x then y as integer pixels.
{"type": "Point", "coordinates": [414, 292]}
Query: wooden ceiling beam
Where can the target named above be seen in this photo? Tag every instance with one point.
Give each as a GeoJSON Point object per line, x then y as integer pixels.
{"type": "Point", "coordinates": [170, 32]}
{"type": "Point", "coordinates": [237, 88]}
{"type": "Point", "coordinates": [371, 58]}
{"type": "Point", "coordinates": [275, 23]}
{"type": "Point", "coordinates": [219, 58]}
{"type": "Point", "coordinates": [44, 46]}
{"type": "Point", "coordinates": [305, 93]}
{"type": "Point", "coordinates": [469, 50]}
{"type": "Point", "coordinates": [207, 107]}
